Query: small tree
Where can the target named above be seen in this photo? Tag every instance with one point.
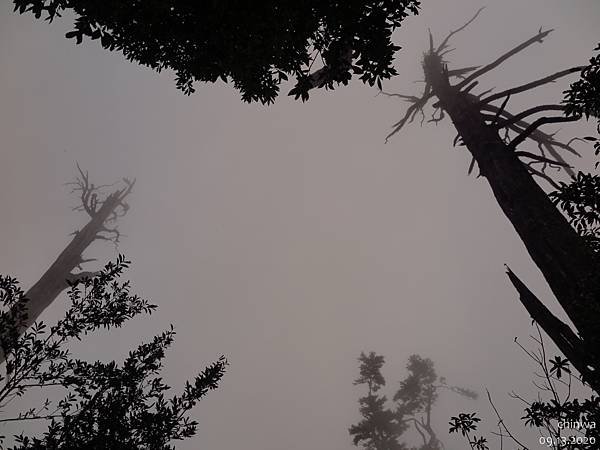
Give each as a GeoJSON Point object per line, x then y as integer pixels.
{"type": "Point", "coordinates": [382, 426]}
{"type": "Point", "coordinates": [104, 405]}
{"type": "Point", "coordinates": [379, 429]}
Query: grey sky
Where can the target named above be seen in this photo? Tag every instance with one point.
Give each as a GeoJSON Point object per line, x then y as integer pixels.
{"type": "Point", "coordinates": [289, 238]}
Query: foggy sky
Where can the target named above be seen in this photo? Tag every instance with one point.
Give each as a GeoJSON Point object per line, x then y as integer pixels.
{"type": "Point", "coordinates": [288, 238]}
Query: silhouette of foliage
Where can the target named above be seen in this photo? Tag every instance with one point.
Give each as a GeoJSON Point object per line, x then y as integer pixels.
{"type": "Point", "coordinates": [384, 422]}
{"type": "Point", "coordinates": [254, 45]}
{"type": "Point", "coordinates": [562, 421]}
{"type": "Point", "coordinates": [106, 405]}
{"type": "Point", "coordinates": [583, 96]}
{"type": "Point", "coordinates": [580, 200]}
{"type": "Point", "coordinates": [379, 429]}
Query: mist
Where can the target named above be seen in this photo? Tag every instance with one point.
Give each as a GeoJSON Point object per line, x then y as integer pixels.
{"type": "Point", "coordinates": [289, 238]}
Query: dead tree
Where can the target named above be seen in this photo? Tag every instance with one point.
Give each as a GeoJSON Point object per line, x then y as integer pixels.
{"type": "Point", "coordinates": [495, 138]}
{"type": "Point", "coordinates": [103, 211]}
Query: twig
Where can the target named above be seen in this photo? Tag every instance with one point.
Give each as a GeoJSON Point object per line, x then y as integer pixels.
{"type": "Point", "coordinates": [501, 421]}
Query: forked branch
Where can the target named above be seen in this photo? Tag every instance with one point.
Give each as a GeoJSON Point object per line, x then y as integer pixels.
{"type": "Point", "coordinates": [418, 104]}
{"type": "Point", "coordinates": [444, 43]}
{"type": "Point", "coordinates": [538, 123]}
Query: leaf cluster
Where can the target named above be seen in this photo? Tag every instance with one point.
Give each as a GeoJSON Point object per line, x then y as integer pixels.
{"type": "Point", "coordinates": [254, 45]}
{"type": "Point", "coordinates": [583, 97]}
{"type": "Point", "coordinates": [102, 405]}
{"type": "Point", "coordinates": [380, 426]}
{"type": "Point", "coordinates": [580, 201]}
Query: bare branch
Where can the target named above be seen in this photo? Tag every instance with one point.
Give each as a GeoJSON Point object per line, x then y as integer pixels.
{"type": "Point", "coordinates": [497, 116]}
{"type": "Point", "coordinates": [528, 112]}
{"type": "Point", "coordinates": [538, 123]}
{"type": "Point", "coordinates": [439, 118]}
{"type": "Point", "coordinates": [539, 37]}
{"type": "Point", "coordinates": [542, 159]}
{"type": "Point", "coordinates": [460, 73]}
{"type": "Point", "coordinates": [544, 140]}
{"type": "Point", "coordinates": [416, 107]}
{"type": "Point", "coordinates": [411, 98]}
{"type": "Point", "coordinates": [470, 87]}
{"type": "Point", "coordinates": [541, 174]}
{"type": "Point", "coordinates": [532, 85]}
{"type": "Point", "coordinates": [501, 422]}
{"type": "Point", "coordinates": [444, 43]}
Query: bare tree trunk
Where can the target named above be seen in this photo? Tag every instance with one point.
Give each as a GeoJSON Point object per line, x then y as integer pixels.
{"type": "Point", "coordinates": [568, 265]}
{"type": "Point", "coordinates": [58, 276]}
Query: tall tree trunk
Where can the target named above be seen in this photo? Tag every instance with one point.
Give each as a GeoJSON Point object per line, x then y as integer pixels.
{"type": "Point", "coordinates": [568, 265]}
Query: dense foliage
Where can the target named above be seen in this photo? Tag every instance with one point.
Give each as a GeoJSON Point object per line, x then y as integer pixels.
{"type": "Point", "coordinates": [380, 427]}
{"type": "Point", "coordinates": [583, 96]}
{"type": "Point", "coordinates": [580, 201]}
{"type": "Point", "coordinates": [102, 405]}
{"type": "Point", "coordinates": [255, 45]}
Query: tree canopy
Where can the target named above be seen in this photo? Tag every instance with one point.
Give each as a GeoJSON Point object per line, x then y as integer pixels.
{"type": "Point", "coordinates": [254, 45]}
